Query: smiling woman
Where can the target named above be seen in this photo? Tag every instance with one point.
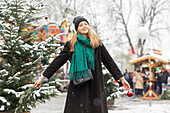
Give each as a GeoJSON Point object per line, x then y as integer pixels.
{"type": "Point", "coordinates": [85, 52]}
{"type": "Point", "coordinates": [83, 28]}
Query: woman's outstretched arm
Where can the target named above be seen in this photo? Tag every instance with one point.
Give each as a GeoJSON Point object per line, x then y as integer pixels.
{"type": "Point", "coordinates": [55, 65]}
{"type": "Point", "coordinates": [113, 68]}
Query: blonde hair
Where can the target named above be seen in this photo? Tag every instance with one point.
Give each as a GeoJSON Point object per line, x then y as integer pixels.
{"type": "Point", "coordinates": [94, 39]}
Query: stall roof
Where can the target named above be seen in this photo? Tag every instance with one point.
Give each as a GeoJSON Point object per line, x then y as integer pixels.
{"type": "Point", "coordinates": [162, 59]}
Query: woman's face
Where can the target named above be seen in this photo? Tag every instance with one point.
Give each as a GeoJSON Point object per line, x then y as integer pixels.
{"type": "Point", "coordinates": [83, 27]}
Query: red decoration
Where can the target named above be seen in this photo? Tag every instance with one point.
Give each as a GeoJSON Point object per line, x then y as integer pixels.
{"type": "Point", "coordinates": [42, 5]}
{"type": "Point", "coordinates": [46, 17]}
{"type": "Point", "coordinates": [115, 81]}
{"type": "Point", "coordinates": [129, 94]}
{"type": "Point", "coordinates": [10, 21]}
{"type": "Point", "coordinates": [135, 48]}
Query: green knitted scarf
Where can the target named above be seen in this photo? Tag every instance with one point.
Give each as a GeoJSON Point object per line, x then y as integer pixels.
{"type": "Point", "coordinates": [82, 58]}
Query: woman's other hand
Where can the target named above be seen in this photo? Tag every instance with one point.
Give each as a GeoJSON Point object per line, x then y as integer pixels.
{"type": "Point", "coordinates": [38, 82]}
{"type": "Point", "coordinates": [125, 83]}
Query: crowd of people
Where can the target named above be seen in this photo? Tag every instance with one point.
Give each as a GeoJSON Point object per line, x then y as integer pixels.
{"type": "Point", "coordinates": [138, 80]}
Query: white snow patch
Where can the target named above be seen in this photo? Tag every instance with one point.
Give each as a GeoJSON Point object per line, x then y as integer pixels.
{"type": "Point", "coordinates": [27, 86]}
{"type": "Point", "coordinates": [3, 99]}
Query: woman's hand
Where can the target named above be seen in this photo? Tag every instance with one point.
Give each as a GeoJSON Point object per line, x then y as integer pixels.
{"type": "Point", "coordinates": [125, 83]}
{"type": "Point", "coordinates": [38, 82]}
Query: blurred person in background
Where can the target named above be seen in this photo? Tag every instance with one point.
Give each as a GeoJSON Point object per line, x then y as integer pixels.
{"type": "Point", "coordinates": [145, 83]}
{"type": "Point", "coordinates": [139, 84]}
{"type": "Point", "coordinates": [128, 78]}
{"type": "Point", "coordinates": [162, 79]}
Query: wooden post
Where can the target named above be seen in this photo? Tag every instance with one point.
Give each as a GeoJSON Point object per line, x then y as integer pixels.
{"type": "Point", "coordinates": [151, 80]}
{"type": "Point", "coordinates": [150, 68]}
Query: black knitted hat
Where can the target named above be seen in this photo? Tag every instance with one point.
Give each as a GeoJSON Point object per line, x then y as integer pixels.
{"type": "Point", "coordinates": [77, 20]}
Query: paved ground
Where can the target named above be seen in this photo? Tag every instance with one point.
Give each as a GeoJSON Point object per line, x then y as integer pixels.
{"type": "Point", "coordinates": [55, 105]}
{"type": "Point", "coordinates": [141, 106]}
{"type": "Point", "coordinates": [122, 105]}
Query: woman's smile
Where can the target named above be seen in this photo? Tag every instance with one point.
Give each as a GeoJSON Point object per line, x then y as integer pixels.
{"type": "Point", "coordinates": [83, 27]}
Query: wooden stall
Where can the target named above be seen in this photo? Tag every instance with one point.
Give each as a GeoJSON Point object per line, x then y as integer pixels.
{"type": "Point", "coordinates": [151, 61]}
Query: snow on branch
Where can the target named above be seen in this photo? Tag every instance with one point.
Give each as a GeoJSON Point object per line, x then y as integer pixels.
{"type": "Point", "coordinates": [3, 72]}
{"type": "Point", "coordinates": [17, 94]}
{"type": "Point", "coordinates": [26, 46]}
{"type": "Point", "coordinates": [14, 77]}
{"type": "Point", "coordinates": [10, 91]}
{"type": "Point", "coordinates": [3, 99]}
{"type": "Point", "coordinates": [37, 60]}
{"type": "Point", "coordinates": [27, 86]}
{"type": "Point", "coordinates": [16, 74]}
{"type": "Point", "coordinates": [11, 78]}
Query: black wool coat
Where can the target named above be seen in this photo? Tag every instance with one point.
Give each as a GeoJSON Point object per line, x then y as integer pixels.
{"type": "Point", "coordinates": [89, 98]}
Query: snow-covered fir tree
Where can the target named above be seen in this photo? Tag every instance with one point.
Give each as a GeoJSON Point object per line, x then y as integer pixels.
{"type": "Point", "coordinates": [111, 86]}
{"type": "Point", "coordinates": [21, 57]}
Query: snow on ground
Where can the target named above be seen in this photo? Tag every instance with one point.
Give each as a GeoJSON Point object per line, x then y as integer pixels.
{"type": "Point", "coordinates": [157, 108]}
{"type": "Point", "coordinates": [141, 106]}
{"type": "Point", "coordinates": [122, 105]}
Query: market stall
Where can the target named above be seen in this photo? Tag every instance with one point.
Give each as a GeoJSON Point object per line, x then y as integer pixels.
{"type": "Point", "coordinates": [152, 61]}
